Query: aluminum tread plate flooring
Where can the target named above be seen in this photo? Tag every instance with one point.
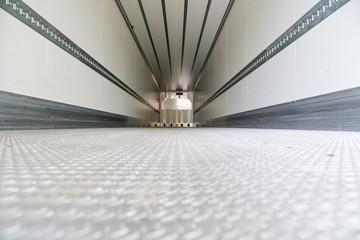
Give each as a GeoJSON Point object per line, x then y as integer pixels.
{"type": "Point", "coordinates": [133, 183]}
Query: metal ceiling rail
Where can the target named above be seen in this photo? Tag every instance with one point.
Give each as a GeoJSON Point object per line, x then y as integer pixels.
{"type": "Point", "coordinates": [312, 18]}
{"type": "Point", "coordinates": [32, 19]}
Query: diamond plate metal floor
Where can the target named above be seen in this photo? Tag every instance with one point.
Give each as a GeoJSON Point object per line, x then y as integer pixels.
{"type": "Point", "coordinates": [179, 184]}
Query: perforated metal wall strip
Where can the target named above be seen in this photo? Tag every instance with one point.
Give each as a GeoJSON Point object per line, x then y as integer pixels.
{"type": "Point", "coordinates": [313, 17]}
{"type": "Point", "coordinates": [32, 19]}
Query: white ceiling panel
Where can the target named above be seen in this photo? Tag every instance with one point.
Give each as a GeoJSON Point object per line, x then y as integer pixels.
{"type": "Point", "coordinates": [163, 46]}
{"type": "Point", "coordinates": [215, 16]}
{"type": "Point", "coordinates": [154, 15]}
{"type": "Point", "coordinates": [175, 16]}
{"type": "Point", "coordinates": [195, 16]}
{"type": "Point", "coordinates": [133, 12]}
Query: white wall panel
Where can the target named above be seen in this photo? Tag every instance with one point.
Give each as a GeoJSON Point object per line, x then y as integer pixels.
{"type": "Point", "coordinates": [236, 40]}
{"type": "Point", "coordinates": [23, 56]}
{"type": "Point", "coordinates": [79, 20]}
{"type": "Point", "coordinates": [274, 82]}
{"type": "Point", "coordinates": [324, 60]}
{"type": "Point", "coordinates": [328, 56]}
{"type": "Point", "coordinates": [267, 20]}
{"type": "Point", "coordinates": [33, 66]}
{"type": "Point", "coordinates": [302, 6]}
{"type": "Point", "coordinates": [238, 99]}
{"type": "Point", "coordinates": [40, 6]}
{"type": "Point", "coordinates": [68, 80]}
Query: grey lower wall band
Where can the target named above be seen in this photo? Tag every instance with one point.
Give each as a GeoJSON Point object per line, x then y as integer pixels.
{"type": "Point", "coordinates": [333, 111]}
{"type": "Point", "coordinates": [312, 18]}
{"type": "Point", "coordinates": [32, 19]}
{"type": "Point", "coordinates": [23, 112]}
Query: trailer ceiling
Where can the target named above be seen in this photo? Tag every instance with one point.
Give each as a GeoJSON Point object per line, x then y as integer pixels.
{"type": "Point", "coordinates": [175, 36]}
